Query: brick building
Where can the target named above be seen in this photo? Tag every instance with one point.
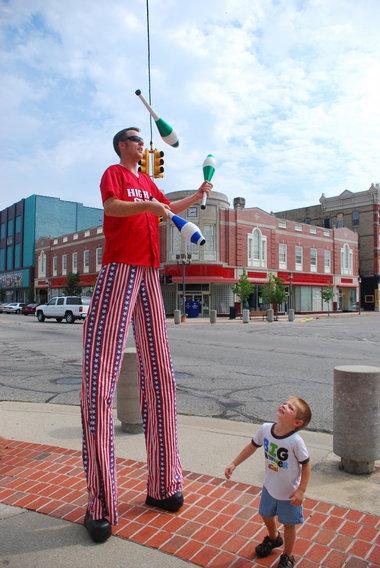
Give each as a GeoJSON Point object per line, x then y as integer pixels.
{"type": "Point", "coordinates": [360, 212]}
{"type": "Point", "coordinates": [305, 256]}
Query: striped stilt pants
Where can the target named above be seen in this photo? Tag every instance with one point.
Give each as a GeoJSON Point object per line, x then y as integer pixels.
{"type": "Point", "coordinates": [122, 294]}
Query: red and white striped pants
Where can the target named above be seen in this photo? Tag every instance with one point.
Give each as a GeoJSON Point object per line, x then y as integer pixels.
{"type": "Point", "coordinates": [124, 293]}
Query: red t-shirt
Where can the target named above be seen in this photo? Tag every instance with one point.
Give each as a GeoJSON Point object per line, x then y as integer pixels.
{"type": "Point", "coordinates": [135, 239]}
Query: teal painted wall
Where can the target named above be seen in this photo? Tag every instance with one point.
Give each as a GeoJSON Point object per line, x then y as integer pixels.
{"type": "Point", "coordinates": [55, 217]}
{"type": "Point", "coordinates": [29, 231]}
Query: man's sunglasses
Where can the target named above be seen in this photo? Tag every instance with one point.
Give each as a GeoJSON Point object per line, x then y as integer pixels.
{"type": "Point", "coordinates": [133, 139]}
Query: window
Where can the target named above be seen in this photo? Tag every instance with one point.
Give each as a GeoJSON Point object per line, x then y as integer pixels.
{"type": "Point", "coordinates": [10, 227]}
{"type": "Point", "coordinates": [313, 230]}
{"type": "Point", "coordinates": [2, 231]}
{"type": "Point", "coordinates": [60, 301]}
{"type": "Point", "coordinates": [55, 242]}
{"type": "Point", "coordinates": [298, 227]}
{"type": "Point", "coordinates": [74, 262]}
{"type": "Point", "coordinates": [346, 260]}
{"type": "Point", "coordinates": [299, 257]}
{"type": "Point", "coordinates": [327, 261]}
{"type": "Point", "coordinates": [209, 249]}
{"type": "Point", "coordinates": [282, 255]}
{"type": "Point", "coordinates": [99, 252]}
{"type": "Point", "coordinates": [99, 230]}
{"type": "Point", "coordinates": [257, 249]}
{"type": "Point", "coordinates": [86, 261]}
{"type": "Point", "coordinates": [175, 241]}
{"type": "Point", "coordinates": [64, 239]}
{"type": "Point", "coordinates": [339, 221]}
{"type": "Point", "coordinates": [55, 265]}
{"type": "Point", "coordinates": [192, 213]}
{"type": "Point", "coordinates": [18, 256]}
{"type": "Point", "coordinates": [307, 221]}
{"type": "Point", "coordinates": [327, 223]}
{"type": "Point", "coordinates": [42, 265]}
{"type": "Point", "coordinates": [282, 224]}
{"type": "Point", "coordinates": [87, 233]}
{"type": "Point", "coordinates": [64, 264]}
{"type": "Point", "coordinates": [355, 218]}
{"type": "Point", "coordinates": [75, 236]}
{"type": "Point", "coordinates": [313, 260]}
{"type": "Point", "coordinates": [18, 224]}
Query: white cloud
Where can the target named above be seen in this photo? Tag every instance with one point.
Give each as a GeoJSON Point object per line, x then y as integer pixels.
{"type": "Point", "coordinates": [284, 93]}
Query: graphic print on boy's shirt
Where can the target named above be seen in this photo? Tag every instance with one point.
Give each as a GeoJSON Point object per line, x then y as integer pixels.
{"type": "Point", "coordinates": [275, 455]}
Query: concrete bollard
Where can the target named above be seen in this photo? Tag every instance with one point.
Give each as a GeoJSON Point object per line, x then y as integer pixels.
{"type": "Point", "coordinates": [270, 315]}
{"type": "Point", "coordinates": [245, 316]}
{"type": "Point", "coordinates": [356, 417]}
{"type": "Point", "coordinates": [291, 315]}
{"type": "Point", "coordinates": [128, 397]}
{"type": "Point", "coordinates": [213, 316]}
{"type": "Point", "coordinates": [177, 316]}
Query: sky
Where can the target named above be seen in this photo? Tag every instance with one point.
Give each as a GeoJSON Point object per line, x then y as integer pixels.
{"type": "Point", "coordinates": [284, 93]}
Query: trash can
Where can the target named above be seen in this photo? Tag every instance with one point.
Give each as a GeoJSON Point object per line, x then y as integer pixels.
{"type": "Point", "coordinates": [232, 313]}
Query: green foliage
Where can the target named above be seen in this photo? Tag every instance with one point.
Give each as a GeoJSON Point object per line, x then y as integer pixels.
{"type": "Point", "coordinates": [30, 294]}
{"type": "Point", "coordinates": [274, 291]}
{"type": "Point", "coordinates": [327, 294]}
{"type": "Point", "coordinates": [73, 288]}
{"type": "Point", "coordinates": [2, 295]}
{"type": "Point", "coordinates": [243, 288]}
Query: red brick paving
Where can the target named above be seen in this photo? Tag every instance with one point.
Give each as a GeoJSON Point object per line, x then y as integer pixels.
{"type": "Point", "coordinates": [218, 527]}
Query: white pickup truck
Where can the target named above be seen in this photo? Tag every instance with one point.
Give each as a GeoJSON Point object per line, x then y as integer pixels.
{"type": "Point", "coordinates": [67, 308]}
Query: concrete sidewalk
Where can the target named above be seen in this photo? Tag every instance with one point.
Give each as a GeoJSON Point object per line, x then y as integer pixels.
{"type": "Point", "coordinates": [207, 446]}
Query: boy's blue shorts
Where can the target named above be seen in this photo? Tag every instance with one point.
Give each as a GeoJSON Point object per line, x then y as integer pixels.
{"type": "Point", "coordinates": [287, 513]}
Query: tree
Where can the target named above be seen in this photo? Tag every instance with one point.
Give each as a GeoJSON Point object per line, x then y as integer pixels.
{"type": "Point", "coordinates": [243, 288]}
{"type": "Point", "coordinates": [327, 294]}
{"type": "Point", "coordinates": [73, 288]}
{"type": "Point", "coordinates": [2, 295]}
{"type": "Point", "coordinates": [274, 292]}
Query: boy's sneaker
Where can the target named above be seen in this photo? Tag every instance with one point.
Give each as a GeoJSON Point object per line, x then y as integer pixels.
{"type": "Point", "coordinates": [286, 561]}
{"type": "Point", "coordinates": [266, 547]}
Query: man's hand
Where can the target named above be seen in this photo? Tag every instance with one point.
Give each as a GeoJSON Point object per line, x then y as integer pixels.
{"type": "Point", "coordinates": [297, 496]}
{"type": "Point", "coordinates": [159, 209]}
{"type": "Point", "coordinates": [206, 187]}
{"type": "Point", "coordinates": [229, 470]}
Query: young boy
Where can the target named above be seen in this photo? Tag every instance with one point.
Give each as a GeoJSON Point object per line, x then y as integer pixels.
{"type": "Point", "coordinates": [287, 473]}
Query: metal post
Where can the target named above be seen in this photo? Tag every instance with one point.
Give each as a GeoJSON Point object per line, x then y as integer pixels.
{"type": "Point", "coordinates": [290, 291]}
{"type": "Point", "coordinates": [183, 290]}
{"type": "Point", "coordinates": [360, 293]}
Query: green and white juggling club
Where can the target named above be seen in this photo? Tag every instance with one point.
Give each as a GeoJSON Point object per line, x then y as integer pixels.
{"type": "Point", "coordinates": [208, 171]}
{"type": "Point", "coordinates": [166, 131]}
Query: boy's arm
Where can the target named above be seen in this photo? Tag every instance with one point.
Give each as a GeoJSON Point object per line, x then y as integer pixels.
{"type": "Point", "coordinates": [244, 454]}
{"type": "Point", "coordinates": [297, 496]}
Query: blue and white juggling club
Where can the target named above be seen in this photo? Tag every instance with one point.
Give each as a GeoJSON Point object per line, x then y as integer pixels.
{"type": "Point", "coordinates": [189, 231]}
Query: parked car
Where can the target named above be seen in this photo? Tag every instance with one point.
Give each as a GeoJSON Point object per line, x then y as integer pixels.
{"type": "Point", "coordinates": [13, 308]}
{"type": "Point", "coordinates": [69, 308]}
{"type": "Point", "coordinates": [29, 309]}
{"type": "Point", "coordinates": [2, 306]}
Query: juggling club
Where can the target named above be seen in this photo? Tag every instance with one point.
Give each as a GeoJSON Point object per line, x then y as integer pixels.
{"type": "Point", "coordinates": [208, 171]}
{"type": "Point", "coordinates": [167, 133]}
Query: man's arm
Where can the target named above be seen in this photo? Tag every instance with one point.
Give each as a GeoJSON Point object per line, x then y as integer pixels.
{"type": "Point", "coordinates": [182, 204]}
{"type": "Point", "coordinates": [117, 208]}
{"type": "Point", "coordinates": [297, 496]}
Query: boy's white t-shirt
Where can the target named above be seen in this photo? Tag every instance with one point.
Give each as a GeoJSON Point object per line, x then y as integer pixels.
{"type": "Point", "coordinates": [283, 458]}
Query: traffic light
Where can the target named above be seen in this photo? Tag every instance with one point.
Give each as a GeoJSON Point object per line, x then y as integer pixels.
{"type": "Point", "coordinates": [144, 163]}
{"type": "Point", "coordinates": [158, 164]}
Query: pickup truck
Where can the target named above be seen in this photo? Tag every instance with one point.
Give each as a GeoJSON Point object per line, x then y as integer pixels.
{"type": "Point", "coordinates": [69, 308]}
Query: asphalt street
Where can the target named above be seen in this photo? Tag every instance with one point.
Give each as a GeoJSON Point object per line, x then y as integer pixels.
{"type": "Point", "coordinates": [227, 370]}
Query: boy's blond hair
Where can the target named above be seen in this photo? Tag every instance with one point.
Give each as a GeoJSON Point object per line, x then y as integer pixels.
{"type": "Point", "coordinates": [303, 411]}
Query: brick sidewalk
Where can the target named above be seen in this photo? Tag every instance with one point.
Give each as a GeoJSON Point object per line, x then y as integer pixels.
{"type": "Point", "coordinates": [218, 526]}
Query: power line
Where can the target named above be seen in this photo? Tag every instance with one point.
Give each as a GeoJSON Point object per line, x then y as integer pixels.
{"type": "Point", "coordinates": [149, 80]}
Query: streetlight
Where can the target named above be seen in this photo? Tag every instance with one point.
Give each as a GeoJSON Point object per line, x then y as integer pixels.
{"type": "Point", "coordinates": [182, 260]}
{"type": "Point", "coordinates": [290, 290]}
{"type": "Point", "coordinates": [359, 293]}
